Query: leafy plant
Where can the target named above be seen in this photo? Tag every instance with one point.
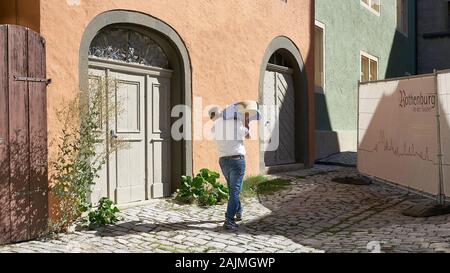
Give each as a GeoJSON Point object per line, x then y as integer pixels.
{"type": "Point", "coordinates": [80, 154]}
{"type": "Point", "coordinates": [204, 189]}
{"type": "Point", "coordinates": [105, 214]}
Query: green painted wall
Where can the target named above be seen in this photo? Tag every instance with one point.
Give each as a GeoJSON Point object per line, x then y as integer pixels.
{"type": "Point", "coordinates": [350, 28]}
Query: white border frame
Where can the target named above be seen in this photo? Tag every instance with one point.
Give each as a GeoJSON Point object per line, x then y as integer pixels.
{"type": "Point", "coordinates": [321, 25]}
{"type": "Point", "coordinates": [377, 13]}
{"type": "Point", "coordinates": [407, 18]}
{"type": "Point", "coordinates": [371, 57]}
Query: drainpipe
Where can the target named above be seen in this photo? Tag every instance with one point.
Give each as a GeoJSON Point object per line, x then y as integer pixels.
{"type": "Point", "coordinates": [441, 192]}
{"type": "Point", "coordinates": [416, 46]}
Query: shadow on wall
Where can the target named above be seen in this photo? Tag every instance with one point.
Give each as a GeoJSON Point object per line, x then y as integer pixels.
{"type": "Point", "coordinates": [403, 54]}
{"type": "Point", "coordinates": [327, 141]}
{"type": "Point", "coordinates": [402, 57]}
{"type": "Point", "coordinates": [400, 62]}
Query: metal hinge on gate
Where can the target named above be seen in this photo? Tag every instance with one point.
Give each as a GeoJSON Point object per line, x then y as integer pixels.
{"type": "Point", "coordinates": [22, 193]}
{"type": "Point", "coordinates": [32, 79]}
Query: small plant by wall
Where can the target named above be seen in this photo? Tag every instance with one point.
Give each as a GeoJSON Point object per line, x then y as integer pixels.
{"type": "Point", "coordinates": [105, 214]}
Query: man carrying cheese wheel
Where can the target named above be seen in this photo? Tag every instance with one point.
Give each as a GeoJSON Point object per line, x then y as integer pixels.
{"type": "Point", "coordinates": [230, 128]}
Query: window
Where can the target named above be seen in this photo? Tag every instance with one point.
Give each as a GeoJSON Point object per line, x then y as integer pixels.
{"type": "Point", "coordinates": [319, 60]}
{"type": "Point", "coordinates": [278, 59]}
{"type": "Point", "coordinates": [402, 16]}
{"type": "Point", "coordinates": [369, 67]}
{"type": "Point", "coordinates": [129, 46]}
{"type": "Point", "coordinates": [372, 5]}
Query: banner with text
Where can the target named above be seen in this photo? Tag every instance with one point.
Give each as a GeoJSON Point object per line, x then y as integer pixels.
{"type": "Point", "coordinates": [397, 132]}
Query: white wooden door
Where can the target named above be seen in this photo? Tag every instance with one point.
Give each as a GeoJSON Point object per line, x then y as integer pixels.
{"type": "Point", "coordinates": [127, 126]}
{"type": "Point", "coordinates": [139, 122]}
{"type": "Point", "coordinates": [279, 97]}
{"type": "Point", "coordinates": [158, 124]}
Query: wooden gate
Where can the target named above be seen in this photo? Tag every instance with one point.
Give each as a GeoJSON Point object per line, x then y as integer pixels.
{"type": "Point", "coordinates": [23, 135]}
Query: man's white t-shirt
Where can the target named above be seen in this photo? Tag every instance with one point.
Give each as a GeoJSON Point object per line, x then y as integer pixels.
{"type": "Point", "coordinates": [229, 136]}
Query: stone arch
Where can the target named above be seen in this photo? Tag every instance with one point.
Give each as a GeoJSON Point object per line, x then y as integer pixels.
{"type": "Point", "coordinates": [179, 59]}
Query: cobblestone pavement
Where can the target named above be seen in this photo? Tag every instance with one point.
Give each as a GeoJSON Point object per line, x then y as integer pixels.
{"type": "Point", "coordinates": [314, 215]}
{"type": "Point", "coordinates": [346, 159]}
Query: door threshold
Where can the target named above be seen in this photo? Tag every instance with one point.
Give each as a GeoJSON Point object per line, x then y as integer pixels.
{"type": "Point", "coordinates": [284, 168]}
{"type": "Point", "coordinates": [136, 204]}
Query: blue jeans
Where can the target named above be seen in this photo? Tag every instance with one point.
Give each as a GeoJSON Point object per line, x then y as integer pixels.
{"type": "Point", "coordinates": [233, 171]}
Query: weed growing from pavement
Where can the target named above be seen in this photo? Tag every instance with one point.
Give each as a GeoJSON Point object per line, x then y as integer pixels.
{"type": "Point", "coordinates": [261, 185]}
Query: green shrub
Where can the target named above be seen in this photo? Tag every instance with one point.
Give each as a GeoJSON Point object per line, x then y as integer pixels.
{"type": "Point", "coordinates": [203, 189]}
{"type": "Point", "coordinates": [77, 164]}
{"type": "Point", "coordinates": [105, 214]}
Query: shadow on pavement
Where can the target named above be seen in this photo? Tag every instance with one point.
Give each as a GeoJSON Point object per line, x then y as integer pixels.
{"type": "Point", "coordinates": [141, 227]}
{"type": "Point", "coordinates": [318, 213]}
{"type": "Point", "coordinates": [345, 218]}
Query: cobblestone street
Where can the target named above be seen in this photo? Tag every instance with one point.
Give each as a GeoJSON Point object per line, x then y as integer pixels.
{"type": "Point", "coordinates": [314, 215]}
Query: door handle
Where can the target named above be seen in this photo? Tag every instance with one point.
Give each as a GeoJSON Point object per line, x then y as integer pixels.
{"type": "Point", "coordinates": [114, 134]}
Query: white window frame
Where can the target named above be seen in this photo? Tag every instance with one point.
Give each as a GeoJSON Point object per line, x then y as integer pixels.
{"type": "Point", "coordinates": [407, 18]}
{"type": "Point", "coordinates": [369, 7]}
{"type": "Point", "coordinates": [322, 26]}
{"type": "Point", "coordinates": [370, 57]}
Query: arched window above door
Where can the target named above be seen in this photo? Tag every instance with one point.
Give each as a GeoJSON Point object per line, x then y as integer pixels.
{"type": "Point", "coordinates": [129, 46]}
{"type": "Point", "coordinates": [278, 59]}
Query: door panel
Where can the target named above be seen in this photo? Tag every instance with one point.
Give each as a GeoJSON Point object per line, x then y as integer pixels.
{"type": "Point", "coordinates": [159, 136]}
{"type": "Point", "coordinates": [128, 101]}
{"type": "Point", "coordinates": [279, 118]}
{"type": "Point", "coordinates": [128, 163]}
{"type": "Point", "coordinates": [271, 136]}
{"type": "Point", "coordinates": [286, 117]}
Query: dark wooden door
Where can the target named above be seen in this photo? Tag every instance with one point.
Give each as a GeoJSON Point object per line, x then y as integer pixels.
{"type": "Point", "coordinates": [279, 95]}
{"type": "Point", "coordinates": [23, 135]}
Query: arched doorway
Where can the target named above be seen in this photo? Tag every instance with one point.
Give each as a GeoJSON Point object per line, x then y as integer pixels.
{"type": "Point", "coordinates": [150, 68]}
{"type": "Point", "coordinates": [283, 90]}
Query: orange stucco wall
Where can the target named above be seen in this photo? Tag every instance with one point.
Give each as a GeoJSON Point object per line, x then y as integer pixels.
{"type": "Point", "coordinates": [226, 41]}
{"type": "Point", "coordinates": [20, 12]}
